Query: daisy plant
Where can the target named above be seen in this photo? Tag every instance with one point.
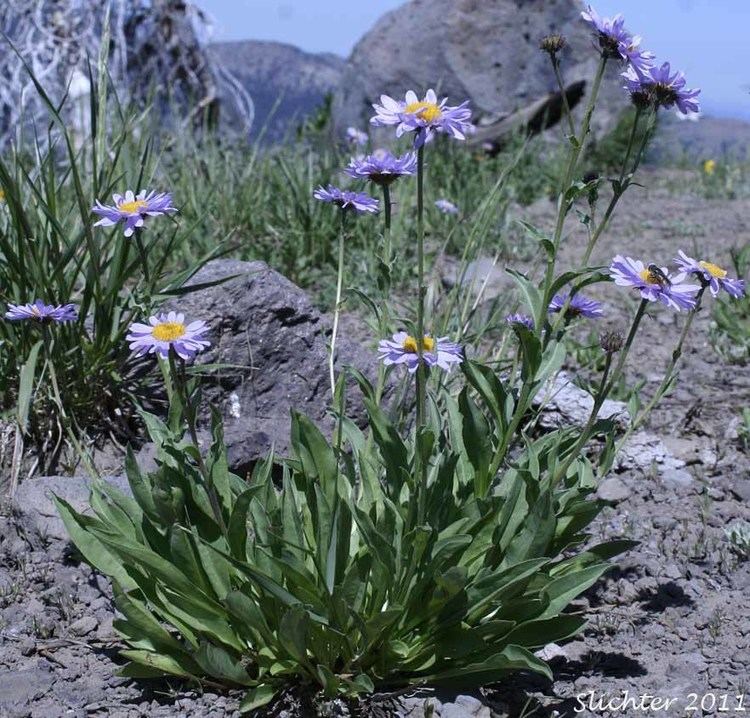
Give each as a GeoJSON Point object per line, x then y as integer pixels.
{"type": "Point", "coordinates": [445, 541]}
{"type": "Point", "coordinates": [75, 272]}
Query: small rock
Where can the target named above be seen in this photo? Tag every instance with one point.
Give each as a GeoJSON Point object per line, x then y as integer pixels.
{"type": "Point", "coordinates": [562, 403]}
{"type": "Point", "coordinates": [677, 477]}
{"type": "Point", "coordinates": [741, 489]}
{"type": "Point", "coordinates": [28, 647]}
{"type": "Point", "coordinates": [613, 490]}
{"type": "Point", "coordinates": [84, 626]}
{"type": "Point", "coordinates": [550, 651]}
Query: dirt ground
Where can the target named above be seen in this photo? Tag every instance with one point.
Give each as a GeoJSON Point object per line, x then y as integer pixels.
{"type": "Point", "coordinates": [672, 621]}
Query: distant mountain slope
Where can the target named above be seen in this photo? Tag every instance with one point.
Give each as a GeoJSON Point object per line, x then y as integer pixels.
{"type": "Point", "coordinates": [693, 142]}
{"type": "Point", "coordinates": [272, 73]}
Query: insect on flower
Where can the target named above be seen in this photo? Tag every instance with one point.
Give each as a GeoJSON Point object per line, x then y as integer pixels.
{"type": "Point", "coordinates": [654, 283]}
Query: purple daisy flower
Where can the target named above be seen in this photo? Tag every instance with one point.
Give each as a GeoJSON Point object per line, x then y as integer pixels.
{"type": "Point", "coordinates": [165, 332]}
{"type": "Point", "coordinates": [132, 209]}
{"type": "Point", "coordinates": [610, 31]}
{"type": "Point", "coordinates": [402, 349]}
{"type": "Point", "coordinates": [382, 167]}
{"type": "Point", "coordinates": [446, 206]}
{"type": "Point", "coordinates": [654, 283]}
{"type": "Point", "coordinates": [711, 274]}
{"type": "Point", "coordinates": [662, 88]}
{"type": "Point", "coordinates": [615, 41]}
{"type": "Point", "coordinates": [346, 199]}
{"type": "Point", "coordinates": [424, 117]}
{"type": "Point", "coordinates": [522, 320]}
{"type": "Point", "coordinates": [579, 306]}
{"type": "Point", "coordinates": [630, 51]}
{"type": "Point", "coordinates": [41, 312]}
{"type": "Point", "coordinates": [356, 137]}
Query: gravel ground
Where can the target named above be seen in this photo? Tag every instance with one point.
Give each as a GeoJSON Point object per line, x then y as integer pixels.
{"type": "Point", "coordinates": [672, 621]}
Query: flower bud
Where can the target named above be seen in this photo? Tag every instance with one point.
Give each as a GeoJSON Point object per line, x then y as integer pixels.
{"type": "Point", "coordinates": [552, 44]}
{"type": "Point", "coordinates": [611, 342]}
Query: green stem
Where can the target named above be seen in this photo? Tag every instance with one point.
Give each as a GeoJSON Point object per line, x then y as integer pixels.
{"type": "Point", "coordinates": [637, 421]}
{"type": "Point", "coordinates": [562, 208]}
{"type": "Point", "coordinates": [384, 311]}
{"type": "Point", "coordinates": [337, 307]}
{"type": "Point", "coordinates": [179, 378]}
{"type": "Point", "coordinates": [605, 387]}
{"type": "Point", "coordinates": [617, 194]}
{"type": "Point", "coordinates": [420, 468]}
{"type": "Point", "coordinates": [142, 253]}
{"type": "Point", "coordinates": [563, 94]}
{"type": "Point", "coordinates": [626, 347]}
{"type": "Point", "coordinates": [586, 431]}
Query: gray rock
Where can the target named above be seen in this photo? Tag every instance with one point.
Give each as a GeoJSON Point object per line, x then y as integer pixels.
{"type": "Point", "coordinates": [646, 451]}
{"type": "Point", "coordinates": [564, 404]}
{"type": "Point", "coordinates": [465, 707]}
{"type": "Point", "coordinates": [268, 330]}
{"type": "Point", "coordinates": [741, 489]}
{"type": "Point", "coordinates": [19, 689]}
{"type": "Point", "coordinates": [613, 490]}
{"type": "Point", "coordinates": [677, 477]}
{"type": "Point", "coordinates": [435, 43]}
{"type": "Point", "coordinates": [286, 84]}
{"type": "Point", "coordinates": [84, 626]}
{"type": "Point", "coordinates": [37, 517]}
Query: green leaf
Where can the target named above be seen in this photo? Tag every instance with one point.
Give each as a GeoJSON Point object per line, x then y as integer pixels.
{"type": "Point", "coordinates": [218, 663]}
{"type": "Point", "coordinates": [563, 590]}
{"type": "Point", "coordinates": [26, 387]}
{"type": "Point", "coordinates": [529, 292]}
{"type": "Point", "coordinates": [92, 549]}
{"type": "Point", "coordinates": [257, 697]}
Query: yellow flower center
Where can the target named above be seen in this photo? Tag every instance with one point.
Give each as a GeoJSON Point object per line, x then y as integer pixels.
{"type": "Point", "coordinates": [709, 167]}
{"type": "Point", "coordinates": [2, 195]}
{"type": "Point", "coordinates": [410, 345]}
{"type": "Point", "coordinates": [168, 331]}
{"type": "Point", "coordinates": [650, 277]}
{"type": "Point", "coordinates": [427, 111]}
{"type": "Point", "coordinates": [713, 269]}
{"type": "Point", "coordinates": [131, 207]}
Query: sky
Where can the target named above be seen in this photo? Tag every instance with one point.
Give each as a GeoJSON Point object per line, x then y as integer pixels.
{"type": "Point", "coordinates": [707, 39]}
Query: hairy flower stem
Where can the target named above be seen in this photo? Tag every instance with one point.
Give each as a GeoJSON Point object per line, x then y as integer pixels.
{"type": "Point", "coordinates": [618, 192]}
{"type": "Point", "coordinates": [337, 307]}
{"type": "Point", "coordinates": [605, 387]}
{"type": "Point", "coordinates": [637, 421]}
{"type": "Point", "coordinates": [578, 144]}
{"type": "Point", "coordinates": [590, 422]}
{"type": "Point", "coordinates": [384, 312]}
{"type": "Point", "coordinates": [180, 389]}
{"type": "Point", "coordinates": [142, 253]}
{"type": "Point", "coordinates": [563, 95]}
{"type": "Point", "coordinates": [420, 468]}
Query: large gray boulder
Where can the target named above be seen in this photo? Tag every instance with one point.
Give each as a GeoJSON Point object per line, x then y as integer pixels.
{"type": "Point", "coordinates": [286, 84]}
{"type": "Point", "coordinates": [274, 343]}
{"type": "Point", "coordinates": [486, 51]}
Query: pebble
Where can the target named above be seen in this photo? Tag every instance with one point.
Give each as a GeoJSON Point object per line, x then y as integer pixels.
{"type": "Point", "coordinates": [677, 477]}
{"type": "Point", "coordinates": [84, 626]}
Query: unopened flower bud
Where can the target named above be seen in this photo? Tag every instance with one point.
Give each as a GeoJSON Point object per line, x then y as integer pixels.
{"type": "Point", "coordinates": [553, 44]}
{"type": "Point", "coordinates": [611, 342]}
